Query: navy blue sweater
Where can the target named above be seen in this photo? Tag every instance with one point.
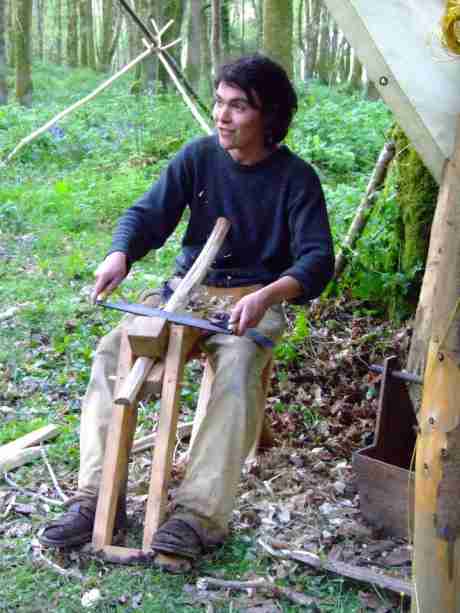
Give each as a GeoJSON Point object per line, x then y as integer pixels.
{"type": "Point", "coordinates": [279, 223]}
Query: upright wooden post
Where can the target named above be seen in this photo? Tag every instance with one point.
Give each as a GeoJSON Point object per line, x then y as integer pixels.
{"type": "Point", "coordinates": [436, 570]}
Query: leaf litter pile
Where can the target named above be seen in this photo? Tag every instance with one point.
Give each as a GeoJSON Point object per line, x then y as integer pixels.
{"type": "Point", "coordinates": [298, 498]}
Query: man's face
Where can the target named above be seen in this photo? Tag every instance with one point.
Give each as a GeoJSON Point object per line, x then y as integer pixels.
{"type": "Point", "coordinates": [239, 125]}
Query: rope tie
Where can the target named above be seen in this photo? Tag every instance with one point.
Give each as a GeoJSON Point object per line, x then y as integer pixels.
{"type": "Point", "coordinates": [450, 27]}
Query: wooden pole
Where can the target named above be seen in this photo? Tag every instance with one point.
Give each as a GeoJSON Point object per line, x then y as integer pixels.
{"type": "Point", "coordinates": [363, 211]}
{"type": "Point", "coordinates": [153, 327]}
{"type": "Point", "coordinates": [436, 568]}
{"type": "Point", "coordinates": [76, 105]}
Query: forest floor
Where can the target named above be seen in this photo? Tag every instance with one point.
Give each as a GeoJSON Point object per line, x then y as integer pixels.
{"type": "Point", "coordinates": [301, 496]}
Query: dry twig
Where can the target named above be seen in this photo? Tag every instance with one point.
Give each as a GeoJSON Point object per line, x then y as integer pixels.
{"type": "Point", "coordinates": [52, 475]}
{"type": "Point", "coordinates": [205, 582]}
{"type": "Point", "coordinates": [71, 573]}
{"type": "Point", "coordinates": [361, 216]}
{"type": "Point", "coordinates": [30, 493]}
{"type": "Point", "coordinates": [8, 508]}
{"type": "Point", "coordinates": [341, 568]}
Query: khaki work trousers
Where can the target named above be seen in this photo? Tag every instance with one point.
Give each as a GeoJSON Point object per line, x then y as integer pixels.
{"type": "Point", "coordinates": [227, 430]}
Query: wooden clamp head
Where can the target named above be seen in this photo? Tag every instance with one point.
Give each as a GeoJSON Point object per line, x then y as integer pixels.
{"type": "Point", "coordinates": [148, 336]}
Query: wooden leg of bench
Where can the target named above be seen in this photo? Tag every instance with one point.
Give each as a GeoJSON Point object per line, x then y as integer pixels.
{"type": "Point", "coordinates": [118, 447]}
{"type": "Point", "coordinates": [180, 341]}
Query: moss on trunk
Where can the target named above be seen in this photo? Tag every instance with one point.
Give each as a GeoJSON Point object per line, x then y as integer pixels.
{"type": "Point", "coordinates": [416, 194]}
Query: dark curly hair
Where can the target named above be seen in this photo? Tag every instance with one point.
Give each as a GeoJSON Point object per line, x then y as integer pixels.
{"type": "Point", "coordinates": [258, 73]}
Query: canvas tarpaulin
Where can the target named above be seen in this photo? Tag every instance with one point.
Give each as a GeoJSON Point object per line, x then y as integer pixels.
{"type": "Point", "coordinates": [398, 43]}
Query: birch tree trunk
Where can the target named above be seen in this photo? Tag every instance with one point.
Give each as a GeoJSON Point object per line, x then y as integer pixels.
{"type": "Point", "coordinates": [39, 12]}
{"type": "Point", "coordinates": [84, 27]}
{"type": "Point", "coordinates": [216, 35]}
{"type": "Point", "coordinates": [345, 62]}
{"type": "Point", "coordinates": [72, 35]}
{"type": "Point", "coordinates": [3, 65]}
{"type": "Point", "coordinates": [206, 59]}
{"type": "Point", "coordinates": [225, 18]}
{"type": "Point", "coordinates": [323, 53]}
{"type": "Point", "coordinates": [259, 22]}
{"type": "Point", "coordinates": [23, 22]}
{"type": "Point", "coordinates": [278, 25]}
{"type": "Point", "coordinates": [193, 61]}
{"type": "Point", "coordinates": [111, 27]}
{"type": "Point", "coordinates": [58, 26]}
{"type": "Point", "coordinates": [92, 63]}
{"type": "Point", "coordinates": [174, 9]}
{"type": "Point", "coordinates": [312, 20]}
{"type": "Point", "coordinates": [356, 77]}
{"type": "Point", "coordinates": [333, 53]}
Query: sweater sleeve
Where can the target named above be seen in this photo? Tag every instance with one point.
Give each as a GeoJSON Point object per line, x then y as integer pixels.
{"type": "Point", "coordinates": [311, 241]}
{"type": "Point", "coordinates": [149, 222]}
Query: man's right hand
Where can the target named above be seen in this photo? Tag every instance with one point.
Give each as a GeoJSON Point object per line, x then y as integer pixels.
{"type": "Point", "coordinates": [109, 274]}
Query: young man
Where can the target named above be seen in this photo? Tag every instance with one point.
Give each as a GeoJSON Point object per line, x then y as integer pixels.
{"type": "Point", "coordinates": [279, 248]}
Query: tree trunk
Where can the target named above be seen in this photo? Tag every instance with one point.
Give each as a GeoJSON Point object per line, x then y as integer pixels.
{"type": "Point", "coordinates": [259, 22]}
{"type": "Point", "coordinates": [313, 16]}
{"type": "Point", "coordinates": [111, 28]}
{"type": "Point", "coordinates": [242, 27]}
{"type": "Point", "coordinates": [333, 53]}
{"type": "Point", "coordinates": [193, 62]}
{"type": "Point", "coordinates": [59, 32]}
{"type": "Point", "coordinates": [3, 65]}
{"type": "Point", "coordinates": [72, 35]}
{"type": "Point", "coordinates": [216, 36]}
{"type": "Point", "coordinates": [84, 27]}
{"type": "Point", "coordinates": [345, 62]}
{"type": "Point", "coordinates": [9, 34]}
{"type": "Point", "coordinates": [146, 74]}
{"type": "Point", "coordinates": [356, 77]}
{"type": "Point", "coordinates": [436, 565]}
{"type": "Point", "coordinates": [278, 22]}
{"type": "Point", "coordinates": [23, 21]}
{"type": "Point", "coordinates": [225, 29]}
{"type": "Point", "coordinates": [323, 54]}
{"type": "Point", "coordinates": [92, 63]}
{"type": "Point", "coordinates": [174, 9]}
{"type": "Point", "coordinates": [39, 12]}
{"type": "Point", "coordinates": [107, 35]}
{"type": "Point", "coordinates": [206, 59]}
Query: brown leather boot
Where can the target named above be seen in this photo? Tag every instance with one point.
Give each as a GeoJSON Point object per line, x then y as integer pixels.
{"type": "Point", "coordinates": [75, 527]}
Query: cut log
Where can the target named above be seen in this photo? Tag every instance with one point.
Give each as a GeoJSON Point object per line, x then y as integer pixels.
{"type": "Point", "coordinates": [28, 440]}
{"type": "Point", "coordinates": [146, 442]}
{"type": "Point", "coordinates": [19, 458]}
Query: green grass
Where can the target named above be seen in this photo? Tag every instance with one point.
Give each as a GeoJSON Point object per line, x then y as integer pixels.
{"type": "Point", "coordinates": [59, 201]}
{"type": "Point", "coordinates": [28, 589]}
